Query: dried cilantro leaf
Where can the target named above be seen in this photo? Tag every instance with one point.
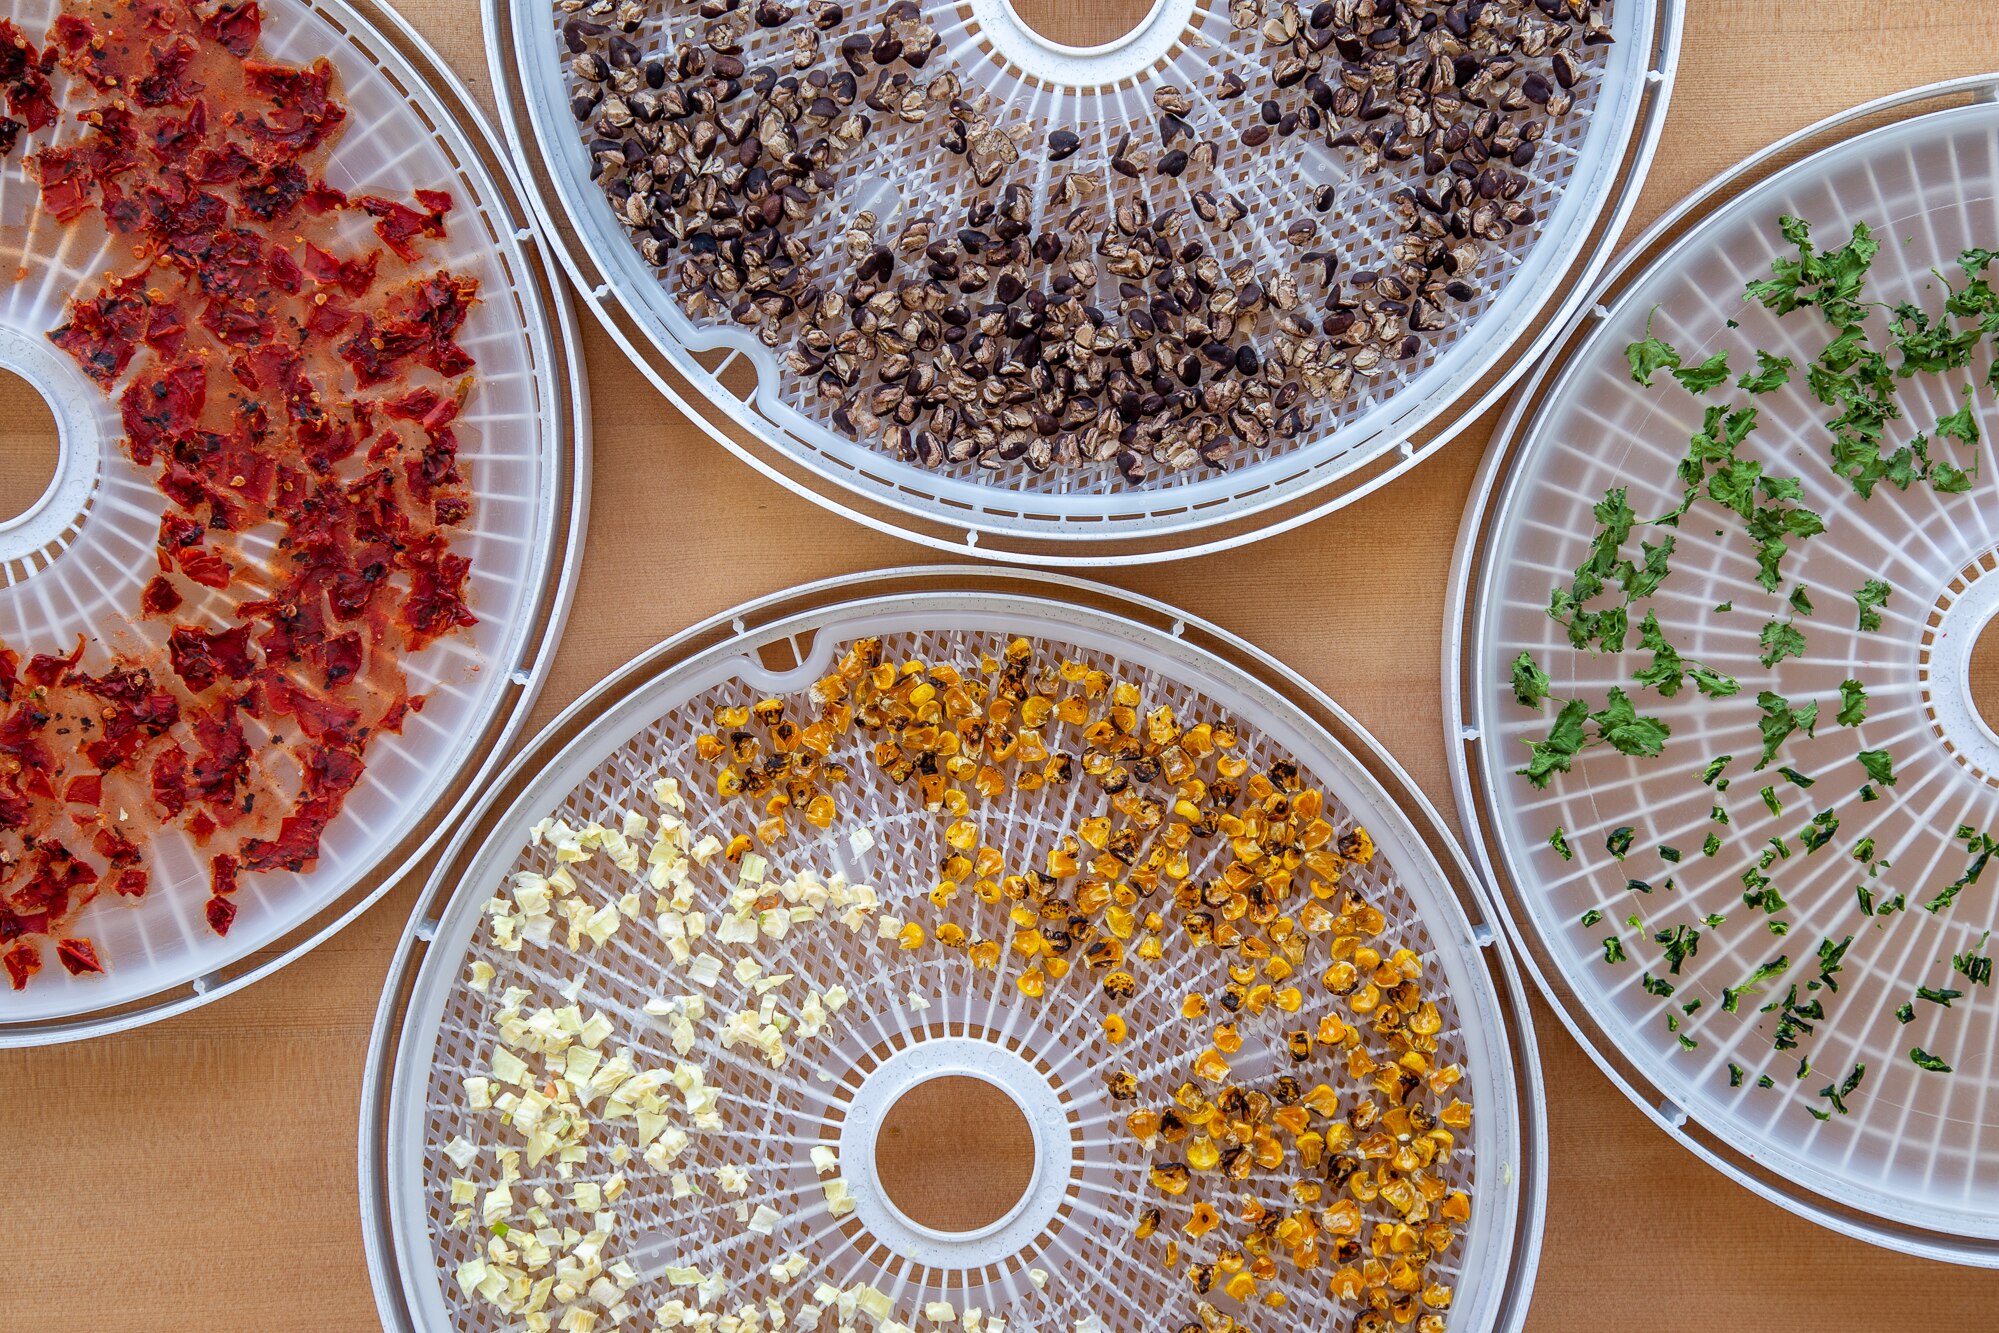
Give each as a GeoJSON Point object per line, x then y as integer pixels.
{"type": "Point", "coordinates": [1649, 357]}
{"type": "Point", "coordinates": [1556, 753]}
{"type": "Point", "coordinates": [1530, 683]}
{"type": "Point", "coordinates": [1780, 718]}
{"type": "Point", "coordinates": [1871, 596]}
{"type": "Point", "coordinates": [1707, 375]}
{"type": "Point", "coordinates": [1626, 731]}
{"type": "Point", "coordinates": [1852, 703]}
{"type": "Point", "coordinates": [1771, 373]}
{"type": "Point", "coordinates": [1781, 639]}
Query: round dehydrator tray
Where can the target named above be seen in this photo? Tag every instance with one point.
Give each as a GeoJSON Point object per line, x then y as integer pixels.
{"type": "Point", "coordinates": [1851, 1129]}
{"type": "Point", "coordinates": [74, 562]}
{"type": "Point", "coordinates": [1066, 1254]}
{"type": "Point", "coordinates": [744, 394]}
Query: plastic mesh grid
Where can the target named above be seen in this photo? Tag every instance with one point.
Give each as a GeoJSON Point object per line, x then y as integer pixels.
{"type": "Point", "coordinates": [901, 171]}
{"type": "Point", "coordinates": [1917, 1147]}
{"type": "Point", "coordinates": [774, 1117]}
{"type": "Point", "coordinates": [399, 135]}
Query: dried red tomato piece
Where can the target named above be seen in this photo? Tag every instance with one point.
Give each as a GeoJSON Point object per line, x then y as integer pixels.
{"type": "Point", "coordinates": [162, 405]}
{"type": "Point", "coordinates": [302, 112]}
{"type": "Point", "coordinates": [54, 874]}
{"type": "Point", "coordinates": [319, 717]}
{"type": "Point", "coordinates": [45, 670]}
{"type": "Point", "coordinates": [399, 225]}
{"type": "Point", "coordinates": [338, 659]}
{"type": "Point", "coordinates": [236, 326]}
{"type": "Point", "coordinates": [160, 597]}
{"type": "Point", "coordinates": [172, 142]}
{"type": "Point", "coordinates": [24, 73]}
{"type": "Point", "coordinates": [221, 913]}
{"type": "Point", "coordinates": [169, 780]}
{"type": "Point", "coordinates": [329, 775]}
{"type": "Point", "coordinates": [235, 26]}
{"type": "Point", "coordinates": [353, 276]}
{"type": "Point", "coordinates": [131, 712]}
{"type": "Point", "coordinates": [419, 322]}
{"type": "Point", "coordinates": [115, 847]}
{"type": "Point", "coordinates": [201, 657]}
{"type": "Point", "coordinates": [72, 176]}
{"type": "Point", "coordinates": [221, 764]}
{"type": "Point", "coordinates": [181, 544]}
{"type": "Point", "coordinates": [104, 331]}
{"type": "Point", "coordinates": [23, 961]}
{"type": "Point", "coordinates": [436, 601]}
{"type": "Point", "coordinates": [77, 957]}
{"type": "Point", "coordinates": [167, 84]}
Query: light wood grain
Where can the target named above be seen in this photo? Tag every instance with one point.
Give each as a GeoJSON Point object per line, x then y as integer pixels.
{"type": "Point", "coordinates": [27, 445]}
{"type": "Point", "coordinates": [200, 1174]}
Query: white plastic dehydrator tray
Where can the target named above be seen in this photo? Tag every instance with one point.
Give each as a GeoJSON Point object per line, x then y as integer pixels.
{"type": "Point", "coordinates": [75, 561]}
{"type": "Point", "coordinates": [1584, 182]}
{"type": "Point", "coordinates": [911, 1014]}
{"type": "Point", "coordinates": [1913, 1163]}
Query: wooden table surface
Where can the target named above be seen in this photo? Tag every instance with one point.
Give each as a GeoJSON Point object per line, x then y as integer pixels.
{"type": "Point", "coordinates": [200, 1174]}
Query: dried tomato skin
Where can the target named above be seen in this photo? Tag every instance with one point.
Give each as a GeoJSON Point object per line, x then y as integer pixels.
{"type": "Point", "coordinates": [115, 848]}
{"type": "Point", "coordinates": [133, 712]}
{"type": "Point", "coordinates": [221, 914]}
{"type": "Point", "coordinates": [166, 85]}
{"type": "Point", "coordinates": [338, 658]}
{"type": "Point", "coordinates": [103, 335]}
{"type": "Point", "coordinates": [222, 765]}
{"type": "Point", "coordinates": [352, 276]}
{"type": "Point", "coordinates": [234, 26]}
{"type": "Point", "coordinates": [169, 780]}
{"type": "Point", "coordinates": [322, 719]}
{"type": "Point", "coordinates": [45, 670]}
{"type": "Point", "coordinates": [274, 192]}
{"type": "Point", "coordinates": [301, 115]}
{"type": "Point", "coordinates": [77, 957]}
{"type": "Point", "coordinates": [22, 961]}
{"type": "Point", "coordinates": [161, 406]}
{"type": "Point", "coordinates": [202, 657]}
{"type": "Point", "coordinates": [24, 72]}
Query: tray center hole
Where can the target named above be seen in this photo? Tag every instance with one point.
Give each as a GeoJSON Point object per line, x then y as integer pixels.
{"type": "Point", "coordinates": [29, 448]}
{"type": "Point", "coordinates": [955, 1154]}
{"type": "Point", "coordinates": [1984, 674]}
{"type": "Point", "coordinates": [1082, 23]}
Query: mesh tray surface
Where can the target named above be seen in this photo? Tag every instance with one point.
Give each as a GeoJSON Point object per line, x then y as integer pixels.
{"type": "Point", "coordinates": [1913, 1162]}
{"type": "Point", "coordinates": [913, 1014]}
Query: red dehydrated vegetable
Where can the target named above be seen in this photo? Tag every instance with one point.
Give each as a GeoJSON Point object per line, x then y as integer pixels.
{"type": "Point", "coordinates": [78, 956]}
{"type": "Point", "coordinates": [267, 378]}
